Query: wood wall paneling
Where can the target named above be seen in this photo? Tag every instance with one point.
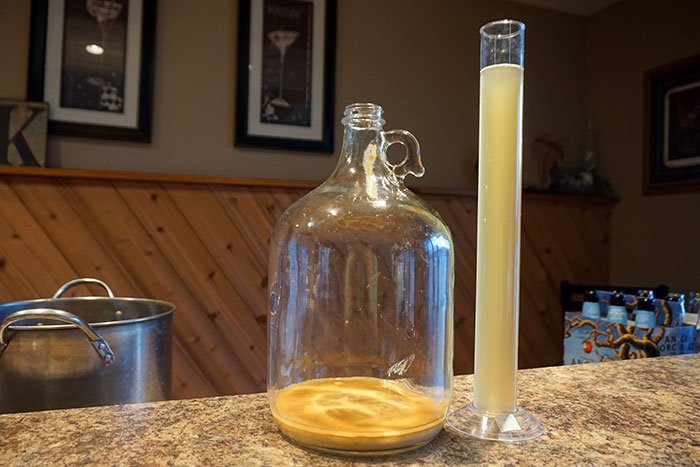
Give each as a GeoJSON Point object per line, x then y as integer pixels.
{"type": "Point", "coordinates": [204, 248]}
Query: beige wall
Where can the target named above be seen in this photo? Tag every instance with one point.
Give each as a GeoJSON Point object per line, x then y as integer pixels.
{"type": "Point", "coordinates": [654, 238]}
{"type": "Point", "coordinates": [418, 58]}
{"type": "Point", "coordinates": [14, 48]}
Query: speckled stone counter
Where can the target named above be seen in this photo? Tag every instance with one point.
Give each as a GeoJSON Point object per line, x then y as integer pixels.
{"type": "Point", "coordinates": [647, 412]}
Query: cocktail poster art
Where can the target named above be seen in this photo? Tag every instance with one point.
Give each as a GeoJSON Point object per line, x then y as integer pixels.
{"type": "Point", "coordinates": [92, 62]}
{"type": "Point", "coordinates": [672, 128]}
{"type": "Point", "coordinates": [285, 74]}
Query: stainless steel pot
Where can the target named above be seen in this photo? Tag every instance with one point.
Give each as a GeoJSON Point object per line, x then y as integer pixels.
{"type": "Point", "coordinates": [105, 350]}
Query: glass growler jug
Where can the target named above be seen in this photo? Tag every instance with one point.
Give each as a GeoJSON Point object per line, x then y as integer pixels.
{"type": "Point", "coordinates": [361, 303]}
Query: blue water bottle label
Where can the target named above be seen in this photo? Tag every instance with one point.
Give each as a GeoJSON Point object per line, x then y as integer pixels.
{"type": "Point", "coordinates": [645, 319]}
{"type": "Point", "coordinates": [617, 314]}
{"type": "Point", "coordinates": [591, 310]}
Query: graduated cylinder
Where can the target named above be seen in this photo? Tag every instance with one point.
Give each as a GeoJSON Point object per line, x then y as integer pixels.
{"type": "Point", "coordinates": [499, 202]}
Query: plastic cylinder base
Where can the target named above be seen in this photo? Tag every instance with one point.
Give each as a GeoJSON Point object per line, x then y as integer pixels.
{"type": "Point", "coordinates": [514, 426]}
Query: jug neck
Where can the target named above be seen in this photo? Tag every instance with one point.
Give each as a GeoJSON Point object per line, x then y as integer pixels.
{"type": "Point", "coordinates": [363, 154]}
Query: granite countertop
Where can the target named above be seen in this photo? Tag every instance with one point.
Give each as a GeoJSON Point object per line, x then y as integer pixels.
{"type": "Point", "coordinates": [640, 412]}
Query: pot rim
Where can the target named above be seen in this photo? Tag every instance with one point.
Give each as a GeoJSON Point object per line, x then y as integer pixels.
{"type": "Point", "coordinates": [56, 303]}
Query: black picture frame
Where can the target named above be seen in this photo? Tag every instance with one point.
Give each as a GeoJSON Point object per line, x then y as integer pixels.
{"type": "Point", "coordinates": [313, 107]}
{"type": "Point", "coordinates": [46, 78]}
{"type": "Point", "coordinates": [672, 128]}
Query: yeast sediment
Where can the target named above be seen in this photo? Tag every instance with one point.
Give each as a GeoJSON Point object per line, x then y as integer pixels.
{"type": "Point", "coordinates": [358, 414]}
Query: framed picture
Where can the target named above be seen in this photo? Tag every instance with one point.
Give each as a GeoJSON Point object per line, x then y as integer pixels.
{"type": "Point", "coordinates": [23, 133]}
{"type": "Point", "coordinates": [286, 55]}
{"type": "Point", "coordinates": [672, 128]}
{"type": "Point", "coordinates": [92, 62]}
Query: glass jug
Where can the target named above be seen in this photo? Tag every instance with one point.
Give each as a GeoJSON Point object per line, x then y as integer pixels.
{"type": "Point", "coordinates": [361, 303]}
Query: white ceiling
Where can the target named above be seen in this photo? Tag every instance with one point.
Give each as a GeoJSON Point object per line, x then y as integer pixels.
{"type": "Point", "coordinates": [576, 7]}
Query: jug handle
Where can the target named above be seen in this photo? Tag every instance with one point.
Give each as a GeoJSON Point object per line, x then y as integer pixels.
{"type": "Point", "coordinates": [98, 343]}
{"type": "Point", "coordinates": [81, 281]}
{"type": "Point", "coordinates": [411, 164]}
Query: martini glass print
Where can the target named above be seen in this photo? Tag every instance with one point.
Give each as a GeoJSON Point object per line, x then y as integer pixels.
{"type": "Point", "coordinates": [106, 13]}
{"type": "Point", "coordinates": [282, 40]}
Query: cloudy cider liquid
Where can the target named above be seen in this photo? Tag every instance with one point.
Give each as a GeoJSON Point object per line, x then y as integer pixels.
{"type": "Point", "coordinates": [358, 414]}
{"type": "Point", "coordinates": [498, 240]}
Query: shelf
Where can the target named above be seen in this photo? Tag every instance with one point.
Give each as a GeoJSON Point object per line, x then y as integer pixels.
{"type": "Point", "coordinates": [265, 182]}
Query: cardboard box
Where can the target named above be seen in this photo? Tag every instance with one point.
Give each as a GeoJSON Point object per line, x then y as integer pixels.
{"type": "Point", "coordinates": [596, 340]}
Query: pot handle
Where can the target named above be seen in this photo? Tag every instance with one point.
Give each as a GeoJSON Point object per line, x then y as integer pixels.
{"type": "Point", "coordinates": [81, 281]}
{"type": "Point", "coordinates": [98, 343]}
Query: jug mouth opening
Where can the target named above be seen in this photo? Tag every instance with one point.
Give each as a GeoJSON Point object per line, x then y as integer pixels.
{"type": "Point", "coordinates": [363, 114]}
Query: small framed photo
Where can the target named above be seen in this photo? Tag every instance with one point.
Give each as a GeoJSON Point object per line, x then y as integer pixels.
{"type": "Point", "coordinates": [672, 128]}
{"type": "Point", "coordinates": [23, 133]}
{"type": "Point", "coordinates": [92, 62]}
{"type": "Point", "coordinates": [286, 65]}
